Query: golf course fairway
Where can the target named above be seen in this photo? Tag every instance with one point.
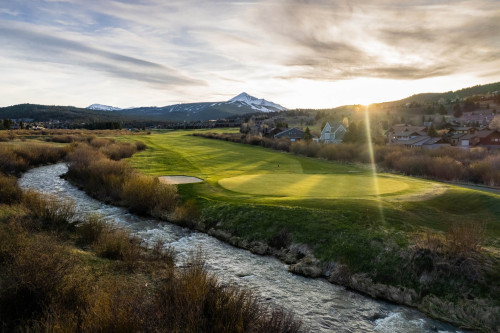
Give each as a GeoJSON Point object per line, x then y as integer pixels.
{"type": "Point", "coordinates": [232, 170]}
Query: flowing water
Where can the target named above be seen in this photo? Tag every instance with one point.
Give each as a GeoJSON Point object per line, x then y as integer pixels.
{"type": "Point", "coordinates": [322, 306]}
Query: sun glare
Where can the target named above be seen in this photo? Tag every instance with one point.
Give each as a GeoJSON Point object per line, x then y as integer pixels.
{"type": "Point", "coordinates": [373, 165]}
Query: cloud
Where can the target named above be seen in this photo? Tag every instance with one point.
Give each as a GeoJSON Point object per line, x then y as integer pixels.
{"type": "Point", "coordinates": [39, 46]}
{"type": "Point", "coordinates": [338, 40]}
{"type": "Point", "coordinates": [191, 50]}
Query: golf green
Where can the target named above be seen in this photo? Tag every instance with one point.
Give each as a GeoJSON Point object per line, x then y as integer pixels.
{"type": "Point", "coordinates": [313, 186]}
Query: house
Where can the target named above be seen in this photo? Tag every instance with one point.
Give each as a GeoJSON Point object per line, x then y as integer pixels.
{"type": "Point", "coordinates": [271, 132]}
{"type": "Point", "coordinates": [294, 134]}
{"type": "Point", "coordinates": [456, 139]}
{"type": "Point", "coordinates": [333, 133]}
{"type": "Point", "coordinates": [463, 130]}
{"type": "Point", "coordinates": [435, 143]}
{"type": "Point", "coordinates": [404, 132]}
{"type": "Point", "coordinates": [487, 138]}
{"type": "Point", "coordinates": [422, 141]}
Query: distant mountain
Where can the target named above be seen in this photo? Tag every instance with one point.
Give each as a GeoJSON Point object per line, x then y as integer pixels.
{"type": "Point", "coordinates": [237, 106]}
{"type": "Point", "coordinates": [257, 104]}
{"type": "Point", "coordinates": [100, 107]}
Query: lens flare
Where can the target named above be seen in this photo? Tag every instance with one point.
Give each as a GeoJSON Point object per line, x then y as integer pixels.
{"type": "Point", "coordinates": [372, 163]}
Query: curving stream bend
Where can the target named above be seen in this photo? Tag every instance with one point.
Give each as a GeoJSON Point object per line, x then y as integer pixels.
{"type": "Point", "coordinates": [322, 306]}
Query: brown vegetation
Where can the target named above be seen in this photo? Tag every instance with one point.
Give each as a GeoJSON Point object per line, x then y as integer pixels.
{"type": "Point", "coordinates": [49, 212]}
{"type": "Point", "coordinates": [16, 159]}
{"type": "Point", "coordinates": [461, 239]}
{"type": "Point", "coordinates": [9, 191]}
{"type": "Point", "coordinates": [147, 195]}
{"type": "Point", "coordinates": [110, 180]}
{"type": "Point", "coordinates": [47, 285]}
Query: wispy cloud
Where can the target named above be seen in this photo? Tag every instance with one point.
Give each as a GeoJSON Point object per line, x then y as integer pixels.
{"type": "Point", "coordinates": [38, 46]}
{"type": "Point", "coordinates": [188, 50]}
{"type": "Point", "coordinates": [337, 40]}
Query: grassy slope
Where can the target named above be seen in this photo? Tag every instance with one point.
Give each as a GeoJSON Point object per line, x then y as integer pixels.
{"type": "Point", "coordinates": [331, 224]}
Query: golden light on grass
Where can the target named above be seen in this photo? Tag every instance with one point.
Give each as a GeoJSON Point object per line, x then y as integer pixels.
{"type": "Point", "coordinates": [373, 165]}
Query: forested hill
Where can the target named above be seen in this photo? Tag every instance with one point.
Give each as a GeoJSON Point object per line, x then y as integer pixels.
{"type": "Point", "coordinates": [73, 114]}
{"type": "Point", "coordinates": [447, 96]}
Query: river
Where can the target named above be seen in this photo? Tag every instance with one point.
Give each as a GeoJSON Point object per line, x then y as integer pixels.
{"type": "Point", "coordinates": [322, 306]}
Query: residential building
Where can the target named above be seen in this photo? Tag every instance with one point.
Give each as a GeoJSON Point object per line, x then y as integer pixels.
{"type": "Point", "coordinates": [333, 133]}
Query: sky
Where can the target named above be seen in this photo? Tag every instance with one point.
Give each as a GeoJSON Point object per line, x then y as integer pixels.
{"type": "Point", "coordinates": [298, 53]}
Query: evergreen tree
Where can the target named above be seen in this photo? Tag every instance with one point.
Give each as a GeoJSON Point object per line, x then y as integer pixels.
{"type": "Point", "coordinates": [458, 110]}
{"type": "Point", "coordinates": [442, 110]}
{"type": "Point", "coordinates": [432, 132]}
{"type": "Point", "coordinates": [7, 123]}
{"type": "Point", "coordinates": [307, 134]}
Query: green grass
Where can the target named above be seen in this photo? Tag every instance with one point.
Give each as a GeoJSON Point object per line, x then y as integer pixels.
{"type": "Point", "coordinates": [330, 206]}
{"type": "Point", "coordinates": [256, 171]}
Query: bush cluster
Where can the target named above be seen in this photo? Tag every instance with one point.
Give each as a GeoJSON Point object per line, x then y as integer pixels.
{"type": "Point", "coordinates": [96, 170]}
{"type": "Point", "coordinates": [49, 212]}
{"type": "Point", "coordinates": [16, 159]}
{"type": "Point", "coordinates": [49, 286]}
{"type": "Point", "coordinates": [9, 190]}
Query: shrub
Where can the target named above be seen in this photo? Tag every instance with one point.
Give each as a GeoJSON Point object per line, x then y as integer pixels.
{"type": "Point", "coordinates": [39, 275]}
{"type": "Point", "coordinates": [195, 301]}
{"type": "Point", "coordinates": [50, 212]}
{"type": "Point", "coordinates": [147, 195]}
{"type": "Point", "coordinates": [10, 163]}
{"type": "Point", "coordinates": [445, 168]}
{"type": "Point", "coordinates": [465, 238]}
{"type": "Point", "coordinates": [100, 142]}
{"type": "Point", "coordinates": [117, 244]}
{"type": "Point", "coordinates": [487, 170]}
{"type": "Point", "coordinates": [162, 253]}
{"type": "Point", "coordinates": [9, 190]}
{"type": "Point", "coordinates": [117, 151]}
{"type": "Point", "coordinates": [140, 145]}
{"type": "Point", "coordinates": [188, 212]}
{"type": "Point", "coordinates": [40, 154]}
{"type": "Point", "coordinates": [90, 230]}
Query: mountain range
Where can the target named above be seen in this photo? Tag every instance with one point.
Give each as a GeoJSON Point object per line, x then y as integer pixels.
{"type": "Point", "coordinates": [236, 106]}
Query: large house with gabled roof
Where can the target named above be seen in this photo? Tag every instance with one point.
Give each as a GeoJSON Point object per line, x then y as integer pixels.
{"type": "Point", "coordinates": [333, 133]}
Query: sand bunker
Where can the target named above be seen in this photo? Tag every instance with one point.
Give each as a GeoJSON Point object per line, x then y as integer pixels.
{"type": "Point", "coordinates": [179, 179]}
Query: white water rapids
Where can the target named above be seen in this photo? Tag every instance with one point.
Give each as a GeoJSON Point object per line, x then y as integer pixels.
{"type": "Point", "coordinates": [322, 306]}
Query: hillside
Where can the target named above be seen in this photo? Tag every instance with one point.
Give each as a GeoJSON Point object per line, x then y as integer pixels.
{"type": "Point", "coordinates": [73, 114]}
{"type": "Point", "coordinates": [446, 96]}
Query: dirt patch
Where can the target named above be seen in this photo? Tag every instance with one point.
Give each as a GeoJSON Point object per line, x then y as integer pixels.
{"type": "Point", "coordinates": [179, 179]}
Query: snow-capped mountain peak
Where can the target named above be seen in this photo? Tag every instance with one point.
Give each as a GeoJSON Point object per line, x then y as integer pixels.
{"type": "Point", "coordinates": [101, 107]}
{"type": "Point", "coordinates": [257, 104]}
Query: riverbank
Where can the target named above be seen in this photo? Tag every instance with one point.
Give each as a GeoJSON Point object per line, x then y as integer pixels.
{"type": "Point", "coordinates": [322, 306]}
{"type": "Point", "coordinates": [395, 250]}
{"type": "Point", "coordinates": [67, 271]}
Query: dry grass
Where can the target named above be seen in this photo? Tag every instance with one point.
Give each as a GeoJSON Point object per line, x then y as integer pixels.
{"type": "Point", "coordinates": [9, 190]}
{"type": "Point", "coordinates": [46, 286]}
{"type": "Point", "coordinates": [462, 239]}
{"type": "Point", "coordinates": [49, 212]}
{"type": "Point", "coordinates": [187, 212]}
{"type": "Point", "coordinates": [147, 195]}
{"type": "Point", "coordinates": [465, 238]}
